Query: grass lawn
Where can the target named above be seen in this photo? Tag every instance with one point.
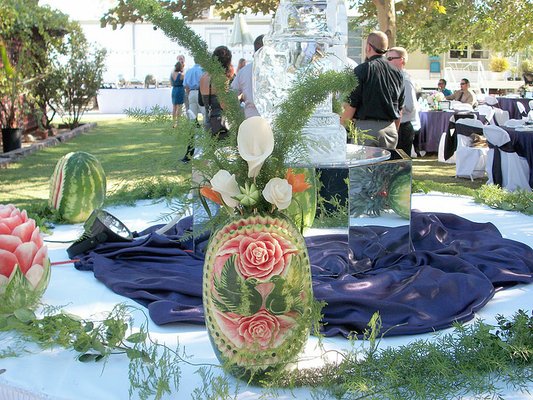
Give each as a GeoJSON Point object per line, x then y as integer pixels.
{"type": "Point", "coordinates": [146, 159]}
{"type": "Point", "coordinates": [130, 152]}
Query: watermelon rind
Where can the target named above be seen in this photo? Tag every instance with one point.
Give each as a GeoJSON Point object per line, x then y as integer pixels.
{"type": "Point", "coordinates": [77, 186]}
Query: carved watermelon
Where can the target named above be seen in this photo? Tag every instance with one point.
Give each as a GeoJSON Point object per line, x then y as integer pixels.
{"type": "Point", "coordinates": [400, 194]}
{"type": "Point", "coordinates": [257, 294]}
{"type": "Point", "coordinates": [77, 186]}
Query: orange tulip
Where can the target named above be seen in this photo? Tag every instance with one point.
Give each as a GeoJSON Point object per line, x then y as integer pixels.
{"type": "Point", "coordinates": [297, 181]}
{"type": "Point", "coordinates": [210, 194]}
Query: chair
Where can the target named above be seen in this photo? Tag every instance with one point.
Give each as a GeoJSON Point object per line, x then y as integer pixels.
{"type": "Point", "coordinates": [491, 100]}
{"type": "Point", "coordinates": [521, 109]}
{"type": "Point", "coordinates": [448, 140]}
{"type": "Point", "coordinates": [514, 169]}
{"type": "Point", "coordinates": [487, 112]}
{"type": "Point", "coordinates": [501, 116]}
{"type": "Point", "coordinates": [513, 123]}
{"type": "Point", "coordinates": [470, 162]}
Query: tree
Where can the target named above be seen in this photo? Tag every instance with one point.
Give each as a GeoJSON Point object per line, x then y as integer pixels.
{"type": "Point", "coordinates": [78, 77]}
{"type": "Point", "coordinates": [429, 25]}
{"type": "Point", "coordinates": [435, 27]}
{"type": "Point", "coordinates": [189, 9]}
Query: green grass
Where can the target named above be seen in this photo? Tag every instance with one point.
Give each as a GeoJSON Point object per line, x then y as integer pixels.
{"type": "Point", "coordinates": [142, 161]}
{"type": "Point", "coordinates": [432, 175]}
{"type": "Point", "coordinates": [131, 153]}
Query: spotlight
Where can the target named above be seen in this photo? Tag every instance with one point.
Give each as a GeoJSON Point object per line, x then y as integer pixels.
{"type": "Point", "coordinates": [100, 227]}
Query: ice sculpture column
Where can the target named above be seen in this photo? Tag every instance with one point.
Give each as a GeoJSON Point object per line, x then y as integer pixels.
{"type": "Point", "coordinates": [305, 36]}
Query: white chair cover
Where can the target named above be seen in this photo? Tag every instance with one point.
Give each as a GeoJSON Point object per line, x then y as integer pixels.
{"type": "Point", "coordinates": [458, 106]}
{"type": "Point", "coordinates": [491, 100]}
{"type": "Point", "coordinates": [440, 154]}
{"type": "Point", "coordinates": [515, 169]}
{"type": "Point", "coordinates": [530, 105]}
{"type": "Point", "coordinates": [470, 162]}
{"type": "Point", "coordinates": [513, 123]}
{"type": "Point", "coordinates": [521, 108]}
{"type": "Point", "coordinates": [501, 116]}
{"type": "Point", "coordinates": [487, 111]}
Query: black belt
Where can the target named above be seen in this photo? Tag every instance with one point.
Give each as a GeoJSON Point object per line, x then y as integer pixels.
{"type": "Point", "coordinates": [373, 119]}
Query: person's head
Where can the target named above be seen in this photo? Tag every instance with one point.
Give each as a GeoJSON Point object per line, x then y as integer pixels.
{"type": "Point", "coordinates": [258, 42]}
{"type": "Point", "coordinates": [376, 43]}
{"type": "Point", "coordinates": [242, 63]}
{"type": "Point", "coordinates": [178, 67]}
{"type": "Point", "coordinates": [465, 84]}
{"type": "Point", "coordinates": [442, 84]}
{"type": "Point", "coordinates": [181, 59]}
{"type": "Point", "coordinates": [223, 55]}
{"type": "Point", "coordinates": [397, 56]}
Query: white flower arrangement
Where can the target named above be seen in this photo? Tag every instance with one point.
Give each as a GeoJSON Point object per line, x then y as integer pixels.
{"type": "Point", "coordinates": [255, 144]}
{"type": "Point", "coordinates": [434, 98]}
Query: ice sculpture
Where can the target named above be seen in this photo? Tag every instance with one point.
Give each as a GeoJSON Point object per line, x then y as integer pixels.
{"type": "Point", "coordinates": [305, 34]}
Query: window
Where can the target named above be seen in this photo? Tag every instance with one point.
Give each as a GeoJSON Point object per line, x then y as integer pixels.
{"type": "Point", "coordinates": [355, 44]}
{"type": "Point", "coordinates": [472, 52]}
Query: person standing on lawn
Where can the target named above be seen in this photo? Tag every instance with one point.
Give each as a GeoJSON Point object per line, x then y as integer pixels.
{"type": "Point", "coordinates": [375, 104]}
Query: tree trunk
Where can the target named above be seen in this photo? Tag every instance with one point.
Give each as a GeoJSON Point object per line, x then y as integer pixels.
{"type": "Point", "coordinates": [386, 13]}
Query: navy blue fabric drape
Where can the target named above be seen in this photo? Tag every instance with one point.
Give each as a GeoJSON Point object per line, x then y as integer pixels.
{"type": "Point", "coordinates": [454, 270]}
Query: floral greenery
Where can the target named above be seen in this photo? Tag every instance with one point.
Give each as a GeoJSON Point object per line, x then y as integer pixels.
{"type": "Point", "coordinates": [495, 197]}
{"type": "Point", "coordinates": [290, 146]}
{"type": "Point", "coordinates": [475, 359]}
{"type": "Point", "coordinates": [154, 369]}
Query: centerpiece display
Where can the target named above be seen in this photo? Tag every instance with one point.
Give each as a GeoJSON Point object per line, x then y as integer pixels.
{"type": "Point", "coordinates": [257, 293]}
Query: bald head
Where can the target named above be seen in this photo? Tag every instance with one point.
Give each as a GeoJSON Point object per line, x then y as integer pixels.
{"type": "Point", "coordinates": [378, 41]}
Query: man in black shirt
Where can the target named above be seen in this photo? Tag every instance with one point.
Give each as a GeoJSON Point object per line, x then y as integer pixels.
{"type": "Point", "coordinates": [376, 102]}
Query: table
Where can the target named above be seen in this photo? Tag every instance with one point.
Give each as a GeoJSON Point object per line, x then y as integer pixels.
{"type": "Point", "coordinates": [432, 125]}
{"type": "Point", "coordinates": [115, 101]}
{"type": "Point", "coordinates": [509, 104]}
{"type": "Point", "coordinates": [57, 375]}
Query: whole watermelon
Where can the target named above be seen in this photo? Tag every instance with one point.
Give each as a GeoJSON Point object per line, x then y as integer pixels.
{"type": "Point", "coordinates": [77, 186]}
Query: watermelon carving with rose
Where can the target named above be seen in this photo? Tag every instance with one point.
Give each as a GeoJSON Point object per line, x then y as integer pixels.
{"type": "Point", "coordinates": [24, 263]}
{"type": "Point", "coordinates": [257, 293]}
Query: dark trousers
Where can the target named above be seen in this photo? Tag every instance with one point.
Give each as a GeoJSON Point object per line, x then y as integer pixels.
{"type": "Point", "coordinates": [384, 133]}
{"type": "Point", "coordinates": [406, 137]}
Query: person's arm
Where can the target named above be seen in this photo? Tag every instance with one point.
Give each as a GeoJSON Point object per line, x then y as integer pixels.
{"type": "Point", "coordinates": [453, 96]}
{"type": "Point", "coordinates": [347, 114]}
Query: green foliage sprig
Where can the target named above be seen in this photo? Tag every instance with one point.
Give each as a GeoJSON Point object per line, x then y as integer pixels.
{"type": "Point", "coordinates": [154, 369]}
{"type": "Point", "coordinates": [476, 360]}
{"type": "Point", "coordinates": [495, 197]}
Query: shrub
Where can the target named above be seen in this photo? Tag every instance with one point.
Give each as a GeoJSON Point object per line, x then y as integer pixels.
{"type": "Point", "coordinates": [498, 64]}
{"type": "Point", "coordinates": [527, 66]}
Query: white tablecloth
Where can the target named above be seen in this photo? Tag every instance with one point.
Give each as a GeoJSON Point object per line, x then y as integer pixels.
{"type": "Point", "coordinates": [57, 375]}
{"type": "Point", "coordinates": [115, 101]}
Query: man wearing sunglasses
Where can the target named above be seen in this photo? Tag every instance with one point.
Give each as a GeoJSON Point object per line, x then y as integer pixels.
{"type": "Point", "coordinates": [465, 94]}
{"type": "Point", "coordinates": [375, 104]}
{"type": "Point", "coordinates": [410, 120]}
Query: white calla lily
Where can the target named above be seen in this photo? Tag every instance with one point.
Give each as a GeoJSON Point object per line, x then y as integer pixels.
{"type": "Point", "coordinates": [278, 192]}
{"type": "Point", "coordinates": [225, 183]}
{"type": "Point", "coordinates": [255, 141]}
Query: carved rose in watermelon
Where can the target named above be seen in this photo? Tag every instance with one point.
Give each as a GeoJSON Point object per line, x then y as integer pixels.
{"type": "Point", "coordinates": [77, 186]}
{"type": "Point", "coordinates": [257, 294]}
{"type": "Point", "coordinates": [400, 194]}
{"type": "Point", "coordinates": [24, 264]}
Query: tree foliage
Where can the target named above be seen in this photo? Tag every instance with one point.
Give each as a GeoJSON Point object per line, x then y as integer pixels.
{"type": "Point", "coordinates": [125, 12]}
{"type": "Point", "coordinates": [433, 26]}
